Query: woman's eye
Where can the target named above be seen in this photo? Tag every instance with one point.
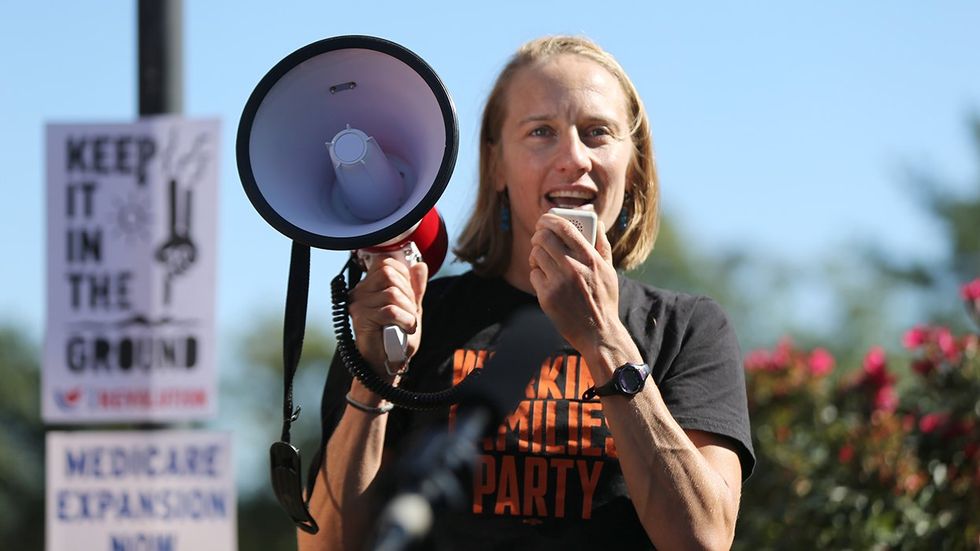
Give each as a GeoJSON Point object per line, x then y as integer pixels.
{"type": "Point", "coordinates": [541, 131]}
{"type": "Point", "coordinates": [598, 132]}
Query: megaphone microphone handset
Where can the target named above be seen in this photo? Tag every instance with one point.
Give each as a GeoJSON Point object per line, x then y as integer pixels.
{"type": "Point", "coordinates": [585, 221]}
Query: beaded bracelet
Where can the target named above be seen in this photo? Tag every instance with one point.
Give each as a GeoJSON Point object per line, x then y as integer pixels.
{"type": "Point", "coordinates": [385, 407]}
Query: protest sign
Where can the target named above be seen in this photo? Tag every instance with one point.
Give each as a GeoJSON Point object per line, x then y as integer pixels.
{"type": "Point", "coordinates": [131, 221]}
{"type": "Point", "coordinates": [129, 491]}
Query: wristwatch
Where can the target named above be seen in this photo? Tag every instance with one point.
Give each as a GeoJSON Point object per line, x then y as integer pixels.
{"type": "Point", "coordinates": [627, 380]}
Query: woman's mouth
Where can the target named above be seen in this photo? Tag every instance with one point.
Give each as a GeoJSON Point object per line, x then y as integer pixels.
{"type": "Point", "coordinates": [570, 199]}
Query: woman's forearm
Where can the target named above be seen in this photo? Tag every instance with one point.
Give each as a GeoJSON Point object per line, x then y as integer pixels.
{"type": "Point", "coordinates": [682, 498]}
{"type": "Point", "coordinates": [351, 463]}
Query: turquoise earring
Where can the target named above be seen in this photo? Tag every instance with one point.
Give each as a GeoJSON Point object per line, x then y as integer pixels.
{"type": "Point", "coordinates": [624, 218]}
{"type": "Point", "coordinates": [505, 217]}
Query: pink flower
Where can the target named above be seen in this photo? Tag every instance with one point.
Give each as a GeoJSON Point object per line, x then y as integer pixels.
{"type": "Point", "coordinates": [875, 372]}
{"type": "Point", "coordinates": [758, 360]}
{"type": "Point", "coordinates": [971, 294]}
{"type": "Point", "coordinates": [783, 353]}
{"type": "Point", "coordinates": [947, 344]}
{"type": "Point", "coordinates": [820, 362]}
{"type": "Point", "coordinates": [777, 360]}
{"type": "Point", "coordinates": [913, 483]}
{"type": "Point", "coordinates": [971, 291]}
{"type": "Point", "coordinates": [845, 454]}
{"type": "Point", "coordinates": [932, 421]}
{"type": "Point", "coordinates": [915, 337]}
{"type": "Point", "coordinates": [885, 398]}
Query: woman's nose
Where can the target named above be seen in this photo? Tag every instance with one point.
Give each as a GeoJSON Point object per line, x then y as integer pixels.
{"type": "Point", "coordinates": [573, 154]}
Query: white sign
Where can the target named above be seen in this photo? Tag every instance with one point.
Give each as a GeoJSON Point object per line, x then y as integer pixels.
{"type": "Point", "coordinates": [132, 219]}
{"type": "Point", "coordinates": [122, 491]}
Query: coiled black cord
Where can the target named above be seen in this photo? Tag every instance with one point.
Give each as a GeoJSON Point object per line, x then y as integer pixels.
{"type": "Point", "coordinates": [355, 364]}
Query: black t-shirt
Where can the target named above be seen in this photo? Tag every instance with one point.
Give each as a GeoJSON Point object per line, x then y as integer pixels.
{"type": "Point", "coordinates": [551, 477]}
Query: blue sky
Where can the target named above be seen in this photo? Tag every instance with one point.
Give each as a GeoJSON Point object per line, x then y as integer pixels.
{"type": "Point", "coordinates": [785, 130]}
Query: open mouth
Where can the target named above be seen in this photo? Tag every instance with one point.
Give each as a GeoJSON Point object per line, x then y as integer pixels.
{"type": "Point", "coordinates": [570, 199]}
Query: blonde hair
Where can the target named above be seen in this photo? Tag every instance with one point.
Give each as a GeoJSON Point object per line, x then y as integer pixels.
{"type": "Point", "coordinates": [485, 245]}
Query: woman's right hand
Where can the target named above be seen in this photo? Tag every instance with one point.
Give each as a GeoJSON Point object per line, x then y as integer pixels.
{"type": "Point", "coordinates": [390, 294]}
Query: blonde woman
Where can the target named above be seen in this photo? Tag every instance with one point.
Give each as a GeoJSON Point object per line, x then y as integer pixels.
{"type": "Point", "coordinates": [633, 436]}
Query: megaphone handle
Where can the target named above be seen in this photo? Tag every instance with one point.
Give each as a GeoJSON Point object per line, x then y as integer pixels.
{"type": "Point", "coordinates": [396, 344]}
{"type": "Point", "coordinates": [395, 340]}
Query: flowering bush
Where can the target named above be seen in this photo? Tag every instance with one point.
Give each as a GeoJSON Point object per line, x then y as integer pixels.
{"type": "Point", "coordinates": [883, 456]}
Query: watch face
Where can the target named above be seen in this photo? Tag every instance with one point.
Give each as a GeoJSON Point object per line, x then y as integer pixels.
{"type": "Point", "coordinates": [630, 380]}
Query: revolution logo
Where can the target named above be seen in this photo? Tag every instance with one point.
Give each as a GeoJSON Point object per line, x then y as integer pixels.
{"type": "Point", "coordinates": [68, 400]}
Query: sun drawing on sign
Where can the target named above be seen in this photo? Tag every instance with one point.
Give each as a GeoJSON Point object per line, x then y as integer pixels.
{"type": "Point", "coordinates": [130, 217]}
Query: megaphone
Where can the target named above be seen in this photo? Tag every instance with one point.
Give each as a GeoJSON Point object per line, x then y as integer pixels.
{"type": "Point", "coordinates": [347, 144]}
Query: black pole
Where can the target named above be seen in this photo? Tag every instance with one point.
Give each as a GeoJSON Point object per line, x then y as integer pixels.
{"type": "Point", "coordinates": [161, 56]}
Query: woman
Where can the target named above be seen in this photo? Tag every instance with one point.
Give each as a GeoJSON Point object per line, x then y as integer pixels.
{"type": "Point", "coordinates": [640, 465]}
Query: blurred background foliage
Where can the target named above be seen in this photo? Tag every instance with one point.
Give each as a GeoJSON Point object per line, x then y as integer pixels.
{"type": "Point", "coordinates": [862, 442]}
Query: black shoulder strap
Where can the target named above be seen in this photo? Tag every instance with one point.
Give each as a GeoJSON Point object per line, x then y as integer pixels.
{"type": "Point", "coordinates": [294, 329]}
{"type": "Point", "coordinates": [285, 459]}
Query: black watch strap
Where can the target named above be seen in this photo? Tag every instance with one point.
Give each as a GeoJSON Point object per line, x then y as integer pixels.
{"type": "Point", "coordinates": [608, 389]}
{"type": "Point", "coordinates": [623, 373]}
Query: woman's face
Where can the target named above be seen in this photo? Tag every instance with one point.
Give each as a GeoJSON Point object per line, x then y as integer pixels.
{"type": "Point", "coordinates": [565, 142]}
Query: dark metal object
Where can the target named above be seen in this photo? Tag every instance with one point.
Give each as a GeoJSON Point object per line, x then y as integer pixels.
{"type": "Point", "coordinates": [160, 56]}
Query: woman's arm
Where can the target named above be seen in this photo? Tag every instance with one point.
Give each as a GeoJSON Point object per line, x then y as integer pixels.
{"type": "Point", "coordinates": [390, 294]}
{"type": "Point", "coordinates": [685, 485]}
{"type": "Point", "coordinates": [353, 455]}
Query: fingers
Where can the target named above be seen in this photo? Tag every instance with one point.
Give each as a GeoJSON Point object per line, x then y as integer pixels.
{"type": "Point", "coordinates": [562, 246]}
{"type": "Point", "coordinates": [560, 256]}
{"type": "Point", "coordinates": [420, 279]}
{"type": "Point", "coordinates": [538, 281]}
{"type": "Point", "coordinates": [389, 295]}
{"type": "Point", "coordinates": [569, 236]}
{"type": "Point", "coordinates": [552, 259]}
{"type": "Point", "coordinates": [385, 273]}
{"type": "Point", "coordinates": [547, 251]}
{"type": "Point", "coordinates": [387, 307]}
{"type": "Point", "coordinates": [602, 245]}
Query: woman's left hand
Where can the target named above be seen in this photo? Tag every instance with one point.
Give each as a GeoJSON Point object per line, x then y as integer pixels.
{"type": "Point", "coordinates": [576, 283]}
